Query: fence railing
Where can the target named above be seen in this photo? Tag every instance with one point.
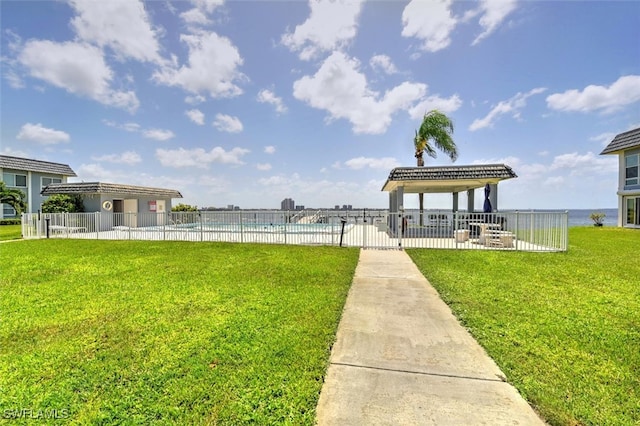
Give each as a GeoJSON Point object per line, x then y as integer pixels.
{"type": "Point", "coordinates": [524, 231]}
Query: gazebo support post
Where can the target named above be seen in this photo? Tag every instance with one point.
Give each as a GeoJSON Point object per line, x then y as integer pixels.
{"type": "Point", "coordinates": [396, 203]}
{"type": "Point", "coordinates": [470, 194]}
{"type": "Point", "coordinates": [455, 202]}
{"type": "Point", "coordinates": [493, 196]}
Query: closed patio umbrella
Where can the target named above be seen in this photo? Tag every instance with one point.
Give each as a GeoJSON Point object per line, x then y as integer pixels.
{"type": "Point", "coordinates": [487, 203]}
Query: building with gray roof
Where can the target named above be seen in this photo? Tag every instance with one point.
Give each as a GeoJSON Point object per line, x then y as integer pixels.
{"type": "Point", "coordinates": [626, 146]}
{"type": "Point", "coordinates": [30, 176]}
{"type": "Point", "coordinates": [132, 205]}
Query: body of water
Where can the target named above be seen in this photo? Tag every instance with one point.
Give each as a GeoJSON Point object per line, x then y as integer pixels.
{"type": "Point", "coordinates": [581, 217]}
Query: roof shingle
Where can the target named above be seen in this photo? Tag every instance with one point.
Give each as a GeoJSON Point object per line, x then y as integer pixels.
{"type": "Point", "coordinates": [446, 178]}
{"type": "Point", "coordinates": [18, 163]}
{"type": "Point", "coordinates": [108, 188]}
{"type": "Point", "coordinates": [623, 141]}
{"type": "Point", "coordinates": [497, 171]}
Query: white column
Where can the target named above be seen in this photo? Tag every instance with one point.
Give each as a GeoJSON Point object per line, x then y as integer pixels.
{"type": "Point", "coordinates": [30, 194]}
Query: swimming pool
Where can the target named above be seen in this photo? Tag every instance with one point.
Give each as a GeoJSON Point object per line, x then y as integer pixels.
{"type": "Point", "coordinates": [265, 228]}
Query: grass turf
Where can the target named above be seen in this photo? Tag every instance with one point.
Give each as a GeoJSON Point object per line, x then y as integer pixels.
{"type": "Point", "coordinates": [10, 232]}
{"type": "Point", "coordinates": [169, 332]}
{"type": "Point", "coordinates": [564, 327]}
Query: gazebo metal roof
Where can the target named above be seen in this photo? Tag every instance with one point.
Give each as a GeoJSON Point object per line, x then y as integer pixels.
{"type": "Point", "coordinates": [108, 188]}
{"type": "Point", "coordinates": [446, 179]}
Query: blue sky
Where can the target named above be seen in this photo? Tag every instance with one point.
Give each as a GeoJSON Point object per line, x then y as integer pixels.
{"type": "Point", "coordinates": [251, 102]}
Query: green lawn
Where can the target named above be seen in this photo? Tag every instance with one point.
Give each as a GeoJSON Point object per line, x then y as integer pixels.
{"type": "Point", "coordinates": [169, 332]}
{"type": "Point", "coordinates": [564, 327]}
{"type": "Point", "coordinates": [10, 232]}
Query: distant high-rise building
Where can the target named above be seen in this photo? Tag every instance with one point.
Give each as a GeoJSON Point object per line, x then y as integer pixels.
{"type": "Point", "coordinates": [288, 204]}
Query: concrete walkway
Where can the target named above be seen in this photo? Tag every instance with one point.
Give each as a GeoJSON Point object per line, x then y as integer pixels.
{"type": "Point", "coordinates": [402, 358]}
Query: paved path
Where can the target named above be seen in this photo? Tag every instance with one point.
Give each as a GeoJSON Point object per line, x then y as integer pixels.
{"type": "Point", "coordinates": [402, 358]}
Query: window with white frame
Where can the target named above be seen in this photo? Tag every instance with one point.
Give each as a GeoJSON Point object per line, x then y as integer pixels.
{"type": "Point", "coordinates": [632, 216]}
{"type": "Point", "coordinates": [632, 169]}
{"type": "Point", "coordinates": [8, 211]}
{"type": "Point", "coordinates": [49, 180]}
{"type": "Point", "coordinates": [14, 180]}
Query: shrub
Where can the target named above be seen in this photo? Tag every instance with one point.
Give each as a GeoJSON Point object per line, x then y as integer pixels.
{"type": "Point", "coordinates": [597, 218]}
{"type": "Point", "coordinates": [184, 208]}
{"type": "Point", "coordinates": [63, 203]}
{"type": "Point", "coordinates": [10, 222]}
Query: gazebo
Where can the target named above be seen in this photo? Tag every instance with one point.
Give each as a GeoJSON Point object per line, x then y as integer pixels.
{"type": "Point", "coordinates": [445, 179]}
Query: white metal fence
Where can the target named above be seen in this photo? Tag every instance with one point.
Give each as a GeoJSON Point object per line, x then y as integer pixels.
{"type": "Point", "coordinates": [524, 231]}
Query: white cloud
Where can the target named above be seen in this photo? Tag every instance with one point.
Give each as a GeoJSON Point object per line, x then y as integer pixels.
{"type": "Point", "coordinates": [554, 181]}
{"type": "Point", "coordinates": [14, 43]}
{"type": "Point", "coordinates": [585, 164]}
{"type": "Point", "coordinates": [493, 13]}
{"type": "Point", "coordinates": [42, 135]}
{"type": "Point", "coordinates": [510, 106]}
{"type": "Point", "coordinates": [317, 193]}
{"type": "Point", "coordinates": [212, 67]}
{"type": "Point", "coordinates": [198, 157]}
{"type": "Point", "coordinates": [263, 167]}
{"type": "Point", "coordinates": [269, 149]}
{"type": "Point", "coordinates": [383, 63]}
{"type": "Point", "coordinates": [227, 123]}
{"type": "Point", "coordinates": [79, 68]}
{"type": "Point", "coordinates": [569, 165]}
{"type": "Point", "coordinates": [127, 157]}
{"type": "Point", "coordinates": [385, 163]}
{"type": "Point", "coordinates": [196, 116]}
{"type": "Point", "coordinates": [195, 16]}
{"type": "Point", "coordinates": [129, 127]}
{"type": "Point", "coordinates": [603, 138]}
{"type": "Point", "coordinates": [13, 152]}
{"type": "Point", "coordinates": [195, 100]}
{"type": "Point", "coordinates": [198, 15]}
{"type": "Point", "coordinates": [429, 21]}
{"type": "Point", "coordinates": [214, 184]}
{"type": "Point", "coordinates": [121, 25]}
{"type": "Point", "coordinates": [158, 134]}
{"type": "Point", "coordinates": [331, 25]}
{"type": "Point", "coordinates": [445, 105]}
{"type": "Point", "coordinates": [267, 96]}
{"type": "Point", "coordinates": [624, 91]}
{"type": "Point", "coordinates": [433, 21]}
{"type": "Point", "coordinates": [276, 181]}
{"type": "Point", "coordinates": [341, 89]}
{"type": "Point", "coordinates": [96, 172]}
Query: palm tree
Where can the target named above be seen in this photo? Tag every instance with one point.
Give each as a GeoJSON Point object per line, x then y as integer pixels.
{"type": "Point", "coordinates": [437, 127]}
{"type": "Point", "coordinates": [13, 197]}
